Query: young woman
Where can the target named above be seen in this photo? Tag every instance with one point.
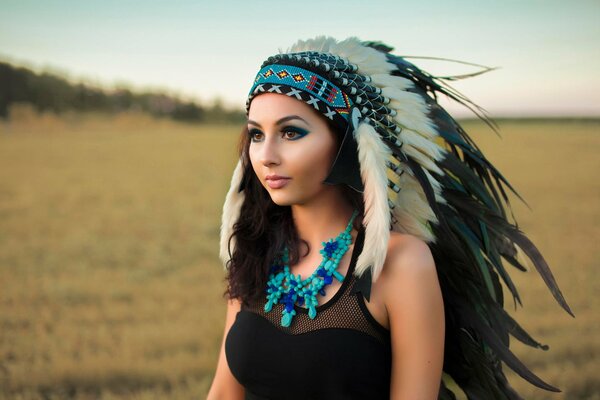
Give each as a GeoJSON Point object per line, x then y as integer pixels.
{"type": "Point", "coordinates": [363, 256]}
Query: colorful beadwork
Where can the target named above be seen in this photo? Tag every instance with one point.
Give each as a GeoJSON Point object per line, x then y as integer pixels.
{"type": "Point", "coordinates": [292, 81]}
{"type": "Point", "coordinates": [286, 288]}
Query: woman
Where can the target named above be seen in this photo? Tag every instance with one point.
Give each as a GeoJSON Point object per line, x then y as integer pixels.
{"type": "Point", "coordinates": [363, 257]}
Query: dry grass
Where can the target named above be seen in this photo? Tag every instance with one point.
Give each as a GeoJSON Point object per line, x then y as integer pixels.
{"type": "Point", "coordinates": [110, 281]}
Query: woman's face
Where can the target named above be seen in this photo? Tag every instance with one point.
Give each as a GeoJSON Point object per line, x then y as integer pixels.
{"type": "Point", "coordinates": [291, 148]}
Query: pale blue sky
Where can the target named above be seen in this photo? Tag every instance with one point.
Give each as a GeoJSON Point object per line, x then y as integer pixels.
{"type": "Point", "coordinates": [547, 51]}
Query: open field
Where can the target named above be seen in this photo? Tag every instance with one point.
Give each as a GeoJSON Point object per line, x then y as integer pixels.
{"type": "Point", "coordinates": [110, 284]}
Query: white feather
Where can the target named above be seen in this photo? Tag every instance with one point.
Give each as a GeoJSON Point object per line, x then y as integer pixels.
{"type": "Point", "coordinates": [392, 81]}
{"type": "Point", "coordinates": [414, 199]}
{"type": "Point", "coordinates": [406, 99]}
{"type": "Point", "coordinates": [413, 226]}
{"type": "Point", "coordinates": [437, 187]}
{"type": "Point", "coordinates": [369, 60]}
{"type": "Point", "coordinates": [426, 146]}
{"type": "Point", "coordinates": [231, 212]}
{"type": "Point", "coordinates": [412, 211]}
{"type": "Point", "coordinates": [424, 160]}
{"type": "Point", "coordinates": [414, 116]}
{"type": "Point", "coordinates": [372, 155]}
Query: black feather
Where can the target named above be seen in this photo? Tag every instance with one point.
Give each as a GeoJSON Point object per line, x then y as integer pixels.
{"type": "Point", "coordinates": [473, 237]}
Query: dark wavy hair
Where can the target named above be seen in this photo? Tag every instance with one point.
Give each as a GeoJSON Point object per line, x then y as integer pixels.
{"type": "Point", "coordinates": [263, 228]}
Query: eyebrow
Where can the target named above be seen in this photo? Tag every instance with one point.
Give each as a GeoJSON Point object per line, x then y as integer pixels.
{"type": "Point", "coordinates": [281, 121]}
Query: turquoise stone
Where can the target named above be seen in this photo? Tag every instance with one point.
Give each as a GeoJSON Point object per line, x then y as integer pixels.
{"type": "Point", "coordinates": [286, 319]}
{"type": "Point", "coordinates": [268, 306]}
{"type": "Point", "coordinates": [338, 276]}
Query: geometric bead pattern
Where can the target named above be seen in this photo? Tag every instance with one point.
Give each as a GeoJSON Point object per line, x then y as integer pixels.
{"type": "Point", "coordinates": [318, 89]}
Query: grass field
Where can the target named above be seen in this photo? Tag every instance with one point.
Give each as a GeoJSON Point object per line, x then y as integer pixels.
{"type": "Point", "coordinates": [110, 284]}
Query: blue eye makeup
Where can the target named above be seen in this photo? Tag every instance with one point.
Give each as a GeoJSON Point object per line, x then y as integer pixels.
{"type": "Point", "coordinates": [299, 132]}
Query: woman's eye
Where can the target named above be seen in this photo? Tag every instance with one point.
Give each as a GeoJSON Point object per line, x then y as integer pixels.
{"type": "Point", "coordinates": [294, 133]}
{"type": "Point", "coordinates": [290, 134]}
{"type": "Point", "coordinates": [253, 135]}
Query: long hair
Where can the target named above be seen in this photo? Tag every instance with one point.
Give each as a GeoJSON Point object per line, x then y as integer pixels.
{"type": "Point", "coordinates": [264, 228]}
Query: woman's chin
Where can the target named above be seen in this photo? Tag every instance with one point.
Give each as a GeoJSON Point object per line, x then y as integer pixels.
{"type": "Point", "coordinates": [282, 200]}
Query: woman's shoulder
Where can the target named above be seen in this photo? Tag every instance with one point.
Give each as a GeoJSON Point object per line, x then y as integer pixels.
{"type": "Point", "coordinates": [409, 258]}
{"type": "Point", "coordinates": [404, 247]}
{"type": "Point", "coordinates": [408, 277]}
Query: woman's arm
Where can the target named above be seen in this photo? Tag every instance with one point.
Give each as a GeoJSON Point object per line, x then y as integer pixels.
{"type": "Point", "coordinates": [414, 303]}
{"type": "Point", "coordinates": [224, 385]}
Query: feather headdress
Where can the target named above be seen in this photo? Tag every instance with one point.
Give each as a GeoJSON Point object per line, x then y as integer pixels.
{"type": "Point", "coordinates": [421, 174]}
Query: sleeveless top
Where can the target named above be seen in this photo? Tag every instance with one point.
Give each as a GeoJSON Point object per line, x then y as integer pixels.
{"type": "Point", "coordinates": [344, 353]}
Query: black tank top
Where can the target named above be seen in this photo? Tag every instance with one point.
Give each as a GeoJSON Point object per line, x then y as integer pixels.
{"type": "Point", "coordinates": [344, 353]}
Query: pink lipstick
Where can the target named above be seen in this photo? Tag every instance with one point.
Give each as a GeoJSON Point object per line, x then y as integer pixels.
{"type": "Point", "coordinates": [276, 181]}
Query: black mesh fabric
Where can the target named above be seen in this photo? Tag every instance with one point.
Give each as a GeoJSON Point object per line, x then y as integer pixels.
{"type": "Point", "coordinates": [344, 353]}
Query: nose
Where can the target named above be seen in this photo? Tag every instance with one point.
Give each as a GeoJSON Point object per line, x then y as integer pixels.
{"type": "Point", "coordinates": [269, 151]}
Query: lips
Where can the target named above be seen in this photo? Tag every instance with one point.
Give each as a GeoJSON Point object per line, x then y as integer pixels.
{"type": "Point", "coordinates": [276, 181]}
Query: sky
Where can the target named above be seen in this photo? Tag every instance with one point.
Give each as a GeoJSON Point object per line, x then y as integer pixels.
{"type": "Point", "coordinates": [546, 51]}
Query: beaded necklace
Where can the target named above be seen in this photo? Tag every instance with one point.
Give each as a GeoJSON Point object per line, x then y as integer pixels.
{"type": "Point", "coordinates": [294, 289]}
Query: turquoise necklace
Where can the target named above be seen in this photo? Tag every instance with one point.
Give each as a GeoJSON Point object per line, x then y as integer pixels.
{"type": "Point", "coordinates": [294, 289]}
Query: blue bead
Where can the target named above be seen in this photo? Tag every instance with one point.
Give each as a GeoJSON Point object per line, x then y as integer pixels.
{"type": "Point", "coordinates": [338, 276]}
{"type": "Point", "coordinates": [286, 320]}
{"type": "Point", "coordinates": [268, 306]}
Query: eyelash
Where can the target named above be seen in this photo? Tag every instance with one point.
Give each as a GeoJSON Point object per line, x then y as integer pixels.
{"type": "Point", "coordinates": [299, 132]}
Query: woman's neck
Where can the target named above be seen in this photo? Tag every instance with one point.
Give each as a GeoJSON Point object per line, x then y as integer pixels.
{"type": "Point", "coordinates": [321, 220]}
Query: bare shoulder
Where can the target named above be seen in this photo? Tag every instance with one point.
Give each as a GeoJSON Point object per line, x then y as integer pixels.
{"type": "Point", "coordinates": [407, 253]}
{"type": "Point", "coordinates": [409, 263]}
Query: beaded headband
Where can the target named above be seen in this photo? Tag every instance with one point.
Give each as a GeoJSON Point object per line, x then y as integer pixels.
{"type": "Point", "coordinates": [316, 91]}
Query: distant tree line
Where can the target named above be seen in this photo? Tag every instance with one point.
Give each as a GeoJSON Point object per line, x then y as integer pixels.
{"type": "Point", "coordinates": [48, 92]}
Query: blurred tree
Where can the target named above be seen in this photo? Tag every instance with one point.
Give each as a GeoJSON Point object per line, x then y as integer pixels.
{"type": "Point", "coordinates": [48, 92]}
